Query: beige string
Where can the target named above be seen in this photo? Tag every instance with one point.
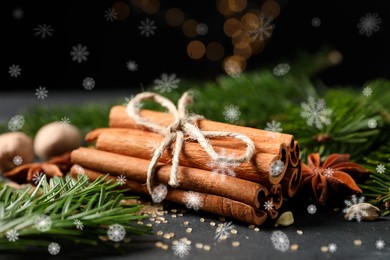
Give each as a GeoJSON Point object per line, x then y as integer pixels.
{"type": "Point", "coordinates": [183, 125]}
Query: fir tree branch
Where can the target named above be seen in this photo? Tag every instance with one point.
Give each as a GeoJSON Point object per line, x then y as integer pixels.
{"type": "Point", "coordinates": [64, 202]}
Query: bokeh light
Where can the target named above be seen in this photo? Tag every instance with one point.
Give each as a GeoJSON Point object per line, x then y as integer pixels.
{"type": "Point", "coordinates": [122, 10]}
{"type": "Point", "coordinates": [223, 7]}
{"type": "Point", "coordinates": [189, 28]}
{"type": "Point", "coordinates": [270, 9]}
{"type": "Point", "coordinates": [150, 6]}
{"type": "Point", "coordinates": [214, 51]}
{"type": "Point", "coordinates": [174, 17]}
{"type": "Point", "coordinates": [237, 5]}
{"type": "Point", "coordinates": [232, 27]}
{"type": "Point", "coordinates": [234, 65]}
{"type": "Point", "coordinates": [196, 49]}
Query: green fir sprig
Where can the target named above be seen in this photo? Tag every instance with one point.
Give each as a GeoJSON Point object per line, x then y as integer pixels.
{"type": "Point", "coordinates": [72, 211]}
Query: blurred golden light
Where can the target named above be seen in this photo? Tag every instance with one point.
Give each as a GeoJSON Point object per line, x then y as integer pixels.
{"type": "Point", "coordinates": [270, 9]}
{"type": "Point", "coordinates": [122, 10]}
{"type": "Point", "coordinates": [242, 37]}
{"type": "Point", "coordinates": [243, 49]}
{"type": "Point", "coordinates": [250, 22]}
{"type": "Point", "coordinates": [136, 3]}
{"type": "Point", "coordinates": [196, 50]}
{"type": "Point", "coordinates": [232, 27]}
{"type": "Point", "coordinates": [237, 5]}
{"type": "Point", "coordinates": [174, 17]}
{"type": "Point", "coordinates": [335, 57]}
{"type": "Point", "coordinates": [223, 7]}
{"type": "Point", "coordinates": [214, 51]}
{"type": "Point", "coordinates": [257, 47]}
{"type": "Point", "coordinates": [234, 65]}
{"type": "Point", "coordinates": [189, 28]}
{"type": "Point", "coordinates": [150, 6]}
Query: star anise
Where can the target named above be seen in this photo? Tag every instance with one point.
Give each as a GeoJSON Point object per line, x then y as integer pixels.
{"type": "Point", "coordinates": [56, 166]}
{"type": "Point", "coordinates": [332, 180]}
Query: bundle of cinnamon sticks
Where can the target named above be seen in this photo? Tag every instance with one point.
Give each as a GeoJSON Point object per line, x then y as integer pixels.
{"type": "Point", "coordinates": [250, 191]}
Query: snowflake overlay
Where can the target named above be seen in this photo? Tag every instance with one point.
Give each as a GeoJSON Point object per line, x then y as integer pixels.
{"type": "Point", "coordinates": [12, 235]}
{"type": "Point", "coordinates": [231, 113]}
{"type": "Point", "coordinates": [357, 212]}
{"type": "Point", "coordinates": [316, 22]}
{"type": "Point", "coordinates": [263, 30]}
{"type": "Point", "coordinates": [380, 244]}
{"type": "Point", "coordinates": [43, 223]}
{"type": "Point", "coordinates": [372, 123]}
{"type": "Point", "coordinates": [79, 53]}
{"type": "Point", "coordinates": [280, 241]}
{"type": "Point", "coordinates": [202, 29]}
{"type": "Point", "coordinates": [328, 172]}
{"type": "Point", "coordinates": [17, 13]}
{"type": "Point", "coordinates": [37, 177]}
{"type": "Point", "coordinates": [369, 24]}
{"type": "Point", "coordinates": [181, 248]}
{"type": "Point", "coordinates": [116, 232]}
{"type": "Point", "coordinates": [14, 70]}
{"type": "Point", "coordinates": [16, 123]}
{"type": "Point", "coordinates": [276, 168]}
{"type": "Point", "coordinates": [17, 160]}
{"type": "Point", "coordinates": [65, 121]}
{"type": "Point", "coordinates": [53, 248]}
{"type": "Point", "coordinates": [273, 128]}
{"type": "Point", "coordinates": [78, 224]}
{"type": "Point", "coordinates": [159, 193]}
{"type": "Point", "coordinates": [316, 112]}
{"type": "Point", "coordinates": [43, 30]}
{"type": "Point", "coordinates": [332, 247]}
{"type": "Point", "coordinates": [166, 83]}
{"type": "Point", "coordinates": [312, 209]}
{"type": "Point", "coordinates": [88, 83]}
{"type": "Point", "coordinates": [41, 92]}
{"type": "Point", "coordinates": [132, 65]}
{"type": "Point", "coordinates": [110, 14]}
{"type": "Point", "coordinates": [121, 180]}
{"type": "Point", "coordinates": [367, 91]}
{"type": "Point", "coordinates": [223, 232]}
{"type": "Point", "coordinates": [281, 69]}
{"type": "Point", "coordinates": [268, 205]}
{"type": "Point", "coordinates": [222, 166]}
{"type": "Point", "coordinates": [380, 168]}
{"type": "Point", "coordinates": [147, 27]}
{"type": "Point", "coordinates": [193, 200]}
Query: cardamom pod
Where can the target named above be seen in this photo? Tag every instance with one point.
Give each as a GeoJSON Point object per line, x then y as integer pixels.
{"type": "Point", "coordinates": [286, 219]}
{"type": "Point", "coordinates": [362, 211]}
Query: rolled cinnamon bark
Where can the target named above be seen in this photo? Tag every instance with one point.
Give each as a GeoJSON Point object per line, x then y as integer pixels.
{"type": "Point", "coordinates": [188, 178]}
{"type": "Point", "coordinates": [192, 155]}
{"type": "Point", "coordinates": [210, 203]}
{"type": "Point", "coordinates": [294, 154]}
{"type": "Point", "coordinates": [292, 180]}
{"type": "Point", "coordinates": [120, 119]}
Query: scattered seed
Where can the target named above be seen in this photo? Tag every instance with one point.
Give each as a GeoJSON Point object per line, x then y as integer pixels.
{"type": "Point", "coordinates": [299, 232]}
{"type": "Point", "coordinates": [152, 219]}
{"type": "Point", "coordinates": [233, 231]}
{"type": "Point", "coordinates": [246, 237]}
{"type": "Point", "coordinates": [206, 247]}
{"type": "Point", "coordinates": [159, 244]}
{"type": "Point", "coordinates": [199, 245]}
{"type": "Point", "coordinates": [174, 216]}
{"type": "Point", "coordinates": [186, 223]}
{"type": "Point", "coordinates": [157, 222]}
{"type": "Point", "coordinates": [220, 225]}
{"type": "Point", "coordinates": [149, 225]}
{"type": "Point", "coordinates": [173, 210]}
{"type": "Point", "coordinates": [222, 219]}
{"type": "Point", "coordinates": [256, 229]}
{"type": "Point", "coordinates": [165, 221]}
{"type": "Point", "coordinates": [235, 243]}
{"type": "Point", "coordinates": [202, 220]}
{"type": "Point", "coordinates": [180, 214]}
{"type": "Point", "coordinates": [167, 236]}
{"type": "Point", "coordinates": [357, 242]}
{"type": "Point", "coordinates": [251, 226]}
{"type": "Point", "coordinates": [324, 249]}
{"type": "Point", "coordinates": [336, 209]}
{"type": "Point", "coordinates": [165, 247]}
{"type": "Point", "coordinates": [294, 247]}
{"type": "Point", "coordinates": [153, 215]}
{"type": "Point", "coordinates": [189, 230]}
{"type": "Point", "coordinates": [212, 224]}
{"type": "Point", "coordinates": [160, 233]}
{"type": "Point", "coordinates": [140, 222]}
{"type": "Point", "coordinates": [171, 234]}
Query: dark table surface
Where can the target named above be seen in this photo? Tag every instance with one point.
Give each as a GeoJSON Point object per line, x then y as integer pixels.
{"type": "Point", "coordinates": [324, 227]}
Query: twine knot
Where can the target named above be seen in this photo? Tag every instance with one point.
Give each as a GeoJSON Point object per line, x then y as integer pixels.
{"type": "Point", "coordinates": [183, 125]}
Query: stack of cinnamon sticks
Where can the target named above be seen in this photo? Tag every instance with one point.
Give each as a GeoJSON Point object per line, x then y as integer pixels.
{"type": "Point", "coordinates": [250, 192]}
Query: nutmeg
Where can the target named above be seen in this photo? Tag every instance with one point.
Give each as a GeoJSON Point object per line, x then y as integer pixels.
{"type": "Point", "coordinates": [56, 138]}
{"type": "Point", "coordinates": [15, 148]}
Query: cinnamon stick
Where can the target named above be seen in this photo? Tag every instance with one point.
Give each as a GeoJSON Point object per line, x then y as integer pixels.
{"type": "Point", "coordinates": [291, 180]}
{"type": "Point", "coordinates": [192, 155]}
{"type": "Point", "coordinates": [120, 119]}
{"type": "Point", "coordinates": [189, 178]}
{"type": "Point", "coordinates": [210, 203]}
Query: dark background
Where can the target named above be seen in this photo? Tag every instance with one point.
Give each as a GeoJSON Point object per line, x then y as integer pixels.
{"type": "Point", "coordinates": [47, 62]}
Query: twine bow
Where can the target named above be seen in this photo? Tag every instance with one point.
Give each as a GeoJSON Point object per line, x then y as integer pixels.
{"type": "Point", "coordinates": [183, 125]}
